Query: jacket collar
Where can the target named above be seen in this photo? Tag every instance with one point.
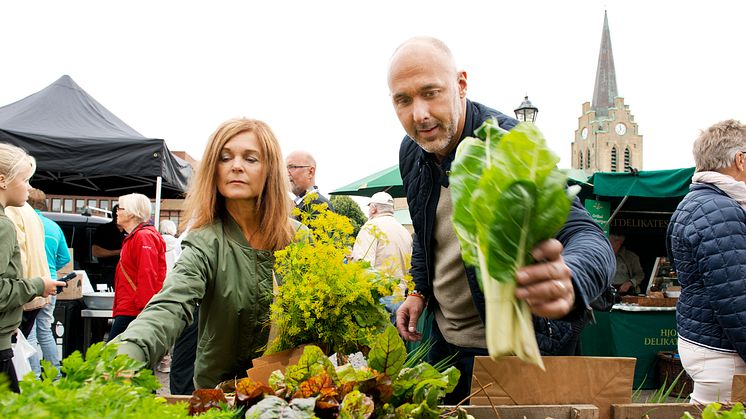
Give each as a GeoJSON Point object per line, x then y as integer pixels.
{"type": "Point", "coordinates": [136, 229]}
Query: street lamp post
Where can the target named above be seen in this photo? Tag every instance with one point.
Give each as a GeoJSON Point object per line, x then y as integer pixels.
{"type": "Point", "coordinates": [527, 111]}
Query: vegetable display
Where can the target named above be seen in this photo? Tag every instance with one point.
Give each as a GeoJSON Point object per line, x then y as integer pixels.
{"type": "Point", "coordinates": [104, 385]}
{"type": "Point", "coordinates": [507, 196]}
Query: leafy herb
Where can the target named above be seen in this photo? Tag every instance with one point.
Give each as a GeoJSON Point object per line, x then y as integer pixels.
{"type": "Point", "coordinates": [508, 196]}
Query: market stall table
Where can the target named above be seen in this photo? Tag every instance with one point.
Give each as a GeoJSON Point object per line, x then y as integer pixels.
{"type": "Point", "coordinates": [633, 331]}
{"type": "Point", "coordinates": [95, 326]}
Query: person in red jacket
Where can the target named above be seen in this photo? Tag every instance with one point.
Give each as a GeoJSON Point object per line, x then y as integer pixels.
{"type": "Point", "coordinates": [142, 264]}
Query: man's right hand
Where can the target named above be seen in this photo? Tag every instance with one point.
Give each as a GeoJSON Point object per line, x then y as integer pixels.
{"type": "Point", "coordinates": [406, 318]}
{"type": "Point", "coordinates": [50, 286]}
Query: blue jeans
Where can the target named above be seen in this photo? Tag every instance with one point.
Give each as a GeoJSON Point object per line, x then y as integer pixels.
{"type": "Point", "coordinates": [391, 306]}
{"type": "Point", "coordinates": [41, 335]}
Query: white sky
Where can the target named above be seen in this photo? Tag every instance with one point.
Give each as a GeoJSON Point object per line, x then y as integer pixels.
{"type": "Point", "coordinates": [316, 70]}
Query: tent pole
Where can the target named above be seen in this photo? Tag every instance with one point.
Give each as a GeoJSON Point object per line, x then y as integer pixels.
{"type": "Point", "coordinates": [158, 203]}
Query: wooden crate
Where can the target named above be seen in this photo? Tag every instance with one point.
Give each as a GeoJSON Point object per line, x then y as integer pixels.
{"type": "Point", "coordinates": [579, 411]}
{"type": "Point", "coordinates": [654, 410]}
{"type": "Point", "coordinates": [650, 301]}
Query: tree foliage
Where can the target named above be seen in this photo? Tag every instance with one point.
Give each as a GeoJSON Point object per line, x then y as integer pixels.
{"type": "Point", "coordinates": [344, 205]}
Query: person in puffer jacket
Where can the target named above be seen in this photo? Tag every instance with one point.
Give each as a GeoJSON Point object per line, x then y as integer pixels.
{"type": "Point", "coordinates": [707, 242]}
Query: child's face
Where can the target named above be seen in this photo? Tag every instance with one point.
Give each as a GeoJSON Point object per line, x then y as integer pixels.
{"type": "Point", "coordinates": [16, 191]}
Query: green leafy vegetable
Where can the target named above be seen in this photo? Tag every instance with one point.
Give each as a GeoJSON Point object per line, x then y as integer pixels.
{"type": "Point", "coordinates": [712, 411]}
{"type": "Point", "coordinates": [508, 196]}
{"type": "Point", "coordinates": [103, 385]}
{"type": "Point", "coordinates": [388, 352]}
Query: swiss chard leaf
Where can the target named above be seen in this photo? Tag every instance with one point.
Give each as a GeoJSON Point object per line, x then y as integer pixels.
{"type": "Point", "coordinates": [356, 405]}
{"type": "Point", "coordinates": [388, 353]}
{"type": "Point", "coordinates": [312, 362]}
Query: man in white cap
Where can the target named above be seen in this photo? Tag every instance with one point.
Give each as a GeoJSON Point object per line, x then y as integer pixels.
{"type": "Point", "coordinates": [383, 241]}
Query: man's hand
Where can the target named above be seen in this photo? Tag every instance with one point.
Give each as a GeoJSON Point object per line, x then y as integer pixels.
{"type": "Point", "coordinates": [50, 287]}
{"type": "Point", "coordinates": [624, 288]}
{"type": "Point", "coordinates": [406, 318]}
{"type": "Point", "coordinates": [546, 285]}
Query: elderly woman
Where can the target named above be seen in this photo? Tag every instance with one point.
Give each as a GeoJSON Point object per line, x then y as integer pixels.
{"type": "Point", "coordinates": [142, 263]}
{"type": "Point", "coordinates": [16, 168]}
{"type": "Point", "coordinates": [238, 211]}
{"type": "Point", "coordinates": [707, 241]}
{"type": "Point", "coordinates": [173, 245]}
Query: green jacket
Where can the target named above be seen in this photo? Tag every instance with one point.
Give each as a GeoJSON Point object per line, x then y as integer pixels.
{"type": "Point", "coordinates": [14, 291]}
{"type": "Point", "coordinates": [232, 282]}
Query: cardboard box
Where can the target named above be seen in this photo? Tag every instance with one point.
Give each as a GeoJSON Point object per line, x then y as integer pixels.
{"type": "Point", "coordinates": [74, 289]}
{"type": "Point", "coordinates": [738, 388]}
{"type": "Point", "coordinates": [599, 381]}
{"type": "Point", "coordinates": [264, 366]}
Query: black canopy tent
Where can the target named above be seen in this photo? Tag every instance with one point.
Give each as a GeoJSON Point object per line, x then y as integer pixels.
{"type": "Point", "coordinates": [81, 148]}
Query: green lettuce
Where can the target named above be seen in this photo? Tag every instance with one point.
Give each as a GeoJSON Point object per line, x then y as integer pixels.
{"type": "Point", "coordinates": [508, 196]}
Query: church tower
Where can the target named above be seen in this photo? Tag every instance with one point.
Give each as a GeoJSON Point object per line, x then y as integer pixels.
{"type": "Point", "coordinates": [606, 139]}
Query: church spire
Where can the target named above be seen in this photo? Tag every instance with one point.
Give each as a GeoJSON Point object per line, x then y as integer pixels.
{"type": "Point", "coordinates": [605, 90]}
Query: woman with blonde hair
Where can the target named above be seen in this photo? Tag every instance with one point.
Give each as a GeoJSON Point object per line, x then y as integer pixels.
{"type": "Point", "coordinates": [16, 169]}
{"type": "Point", "coordinates": [238, 213]}
{"type": "Point", "coordinates": [142, 263]}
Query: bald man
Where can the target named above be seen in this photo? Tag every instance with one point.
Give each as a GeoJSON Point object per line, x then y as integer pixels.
{"type": "Point", "coordinates": [428, 92]}
{"type": "Point", "coordinates": [302, 175]}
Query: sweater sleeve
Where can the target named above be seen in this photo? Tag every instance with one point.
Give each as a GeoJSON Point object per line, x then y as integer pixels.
{"type": "Point", "coordinates": [169, 312]}
{"type": "Point", "coordinates": [14, 292]}
{"type": "Point", "coordinates": [62, 254]}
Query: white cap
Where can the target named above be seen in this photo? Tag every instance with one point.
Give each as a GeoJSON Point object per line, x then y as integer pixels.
{"type": "Point", "coordinates": [381, 198]}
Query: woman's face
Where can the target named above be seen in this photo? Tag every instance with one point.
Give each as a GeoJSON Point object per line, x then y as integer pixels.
{"type": "Point", "coordinates": [241, 172]}
{"type": "Point", "coordinates": [16, 192]}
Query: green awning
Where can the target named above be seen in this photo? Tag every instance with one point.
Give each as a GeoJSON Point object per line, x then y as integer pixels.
{"type": "Point", "coordinates": [387, 180]}
{"type": "Point", "coordinates": [646, 184]}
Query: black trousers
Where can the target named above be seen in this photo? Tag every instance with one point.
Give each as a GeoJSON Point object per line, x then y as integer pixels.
{"type": "Point", "coordinates": [7, 368]}
{"type": "Point", "coordinates": [120, 325]}
{"type": "Point", "coordinates": [181, 377]}
{"type": "Point", "coordinates": [463, 361]}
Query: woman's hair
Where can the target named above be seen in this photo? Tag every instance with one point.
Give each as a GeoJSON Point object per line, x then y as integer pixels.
{"type": "Point", "coordinates": [716, 146]}
{"type": "Point", "coordinates": [168, 227]}
{"type": "Point", "coordinates": [136, 204]}
{"type": "Point", "coordinates": [12, 160]}
{"type": "Point", "coordinates": [203, 202]}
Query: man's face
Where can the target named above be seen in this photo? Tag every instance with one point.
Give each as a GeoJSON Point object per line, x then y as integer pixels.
{"type": "Point", "coordinates": [429, 99]}
{"type": "Point", "coordinates": [300, 174]}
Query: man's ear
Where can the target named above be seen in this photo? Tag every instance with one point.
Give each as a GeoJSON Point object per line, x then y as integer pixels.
{"type": "Point", "coordinates": [312, 171]}
{"type": "Point", "coordinates": [462, 84]}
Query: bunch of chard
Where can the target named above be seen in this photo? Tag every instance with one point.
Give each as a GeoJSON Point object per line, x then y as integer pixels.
{"type": "Point", "coordinates": [508, 196]}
